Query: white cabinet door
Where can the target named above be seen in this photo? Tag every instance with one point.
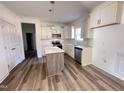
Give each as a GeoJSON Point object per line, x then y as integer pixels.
{"type": "Point", "coordinates": [54, 31]}
{"type": "Point", "coordinates": [58, 30]}
{"type": "Point", "coordinates": [46, 33]}
{"type": "Point", "coordinates": [43, 32]}
{"type": "Point", "coordinates": [69, 49]}
{"type": "Point", "coordinates": [49, 33]}
{"type": "Point", "coordinates": [108, 14]}
{"type": "Point", "coordinates": [86, 56]}
{"type": "Point", "coordinates": [89, 32]}
{"type": "Point", "coordinates": [65, 49]}
{"type": "Point", "coordinates": [95, 18]}
{"type": "Point", "coordinates": [92, 19]}
{"type": "Point", "coordinates": [67, 32]}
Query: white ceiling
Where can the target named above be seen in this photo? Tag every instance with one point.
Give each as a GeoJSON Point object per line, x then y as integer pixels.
{"type": "Point", "coordinates": [65, 11]}
{"type": "Point", "coordinates": [91, 4]}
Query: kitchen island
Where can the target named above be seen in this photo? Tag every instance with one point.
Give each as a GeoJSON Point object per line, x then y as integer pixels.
{"type": "Point", "coordinates": [55, 60]}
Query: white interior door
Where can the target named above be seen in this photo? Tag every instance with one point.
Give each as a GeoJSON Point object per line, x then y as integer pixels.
{"type": "Point", "coordinates": [9, 36]}
{"type": "Point", "coordinates": [13, 47]}
{"type": "Point", "coordinates": [6, 38]}
{"type": "Point", "coordinates": [3, 62]}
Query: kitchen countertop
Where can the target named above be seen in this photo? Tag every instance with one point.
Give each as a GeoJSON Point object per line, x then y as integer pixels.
{"type": "Point", "coordinates": [79, 47]}
{"type": "Point", "coordinates": [50, 50]}
{"type": "Point", "coordinates": [83, 46]}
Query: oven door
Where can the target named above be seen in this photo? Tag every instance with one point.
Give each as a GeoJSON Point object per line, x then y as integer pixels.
{"type": "Point", "coordinates": [59, 46]}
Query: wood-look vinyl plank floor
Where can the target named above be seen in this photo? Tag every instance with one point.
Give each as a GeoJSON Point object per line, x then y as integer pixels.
{"type": "Point", "coordinates": [31, 75]}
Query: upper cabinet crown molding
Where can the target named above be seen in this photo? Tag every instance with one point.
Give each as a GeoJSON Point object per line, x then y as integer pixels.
{"type": "Point", "coordinates": [108, 13]}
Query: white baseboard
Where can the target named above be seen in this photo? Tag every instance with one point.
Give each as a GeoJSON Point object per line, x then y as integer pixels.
{"type": "Point", "coordinates": [4, 78]}
{"type": "Point", "coordinates": [112, 73]}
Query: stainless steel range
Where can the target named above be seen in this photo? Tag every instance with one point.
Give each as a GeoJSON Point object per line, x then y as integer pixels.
{"type": "Point", "coordinates": [57, 44]}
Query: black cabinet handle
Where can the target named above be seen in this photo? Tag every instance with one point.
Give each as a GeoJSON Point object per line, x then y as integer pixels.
{"type": "Point", "coordinates": [13, 48]}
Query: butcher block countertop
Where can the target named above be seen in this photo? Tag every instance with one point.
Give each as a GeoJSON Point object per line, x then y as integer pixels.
{"type": "Point", "coordinates": [50, 50]}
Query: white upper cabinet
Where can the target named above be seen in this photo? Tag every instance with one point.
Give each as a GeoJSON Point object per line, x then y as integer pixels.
{"type": "Point", "coordinates": [111, 14]}
{"type": "Point", "coordinates": [88, 33]}
{"type": "Point", "coordinates": [46, 33]}
{"type": "Point", "coordinates": [49, 33]}
{"type": "Point", "coordinates": [107, 13]}
{"type": "Point", "coordinates": [43, 32]}
{"type": "Point", "coordinates": [56, 30]}
{"type": "Point", "coordinates": [95, 18]}
{"type": "Point", "coordinates": [67, 32]}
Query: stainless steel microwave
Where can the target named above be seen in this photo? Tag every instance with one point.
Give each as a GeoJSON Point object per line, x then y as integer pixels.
{"type": "Point", "coordinates": [56, 36]}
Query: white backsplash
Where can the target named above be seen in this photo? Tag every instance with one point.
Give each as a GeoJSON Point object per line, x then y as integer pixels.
{"type": "Point", "coordinates": [86, 42]}
{"type": "Point", "coordinates": [69, 41]}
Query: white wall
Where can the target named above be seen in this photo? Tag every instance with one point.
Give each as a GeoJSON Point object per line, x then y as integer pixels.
{"type": "Point", "coordinates": [10, 17]}
{"type": "Point", "coordinates": [108, 49]}
{"type": "Point", "coordinates": [108, 43]}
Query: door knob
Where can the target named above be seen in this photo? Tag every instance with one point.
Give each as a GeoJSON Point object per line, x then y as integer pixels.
{"type": "Point", "coordinates": [13, 48]}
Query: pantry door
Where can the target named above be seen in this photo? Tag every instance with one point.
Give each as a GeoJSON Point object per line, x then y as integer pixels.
{"type": "Point", "coordinates": [13, 46]}
{"type": "Point", "coordinates": [9, 44]}
{"type": "Point", "coordinates": [3, 61]}
{"type": "Point", "coordinates": [6, 39]}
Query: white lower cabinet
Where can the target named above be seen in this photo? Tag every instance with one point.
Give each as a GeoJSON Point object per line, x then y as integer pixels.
{"type": "Point", "coordinates": [69, 49]}
{"type": "Point", "coordinates": [86, 56]}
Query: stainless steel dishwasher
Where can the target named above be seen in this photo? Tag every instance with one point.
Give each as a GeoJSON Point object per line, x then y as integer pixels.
{"type": "Point", "coordinates": [78, 53]}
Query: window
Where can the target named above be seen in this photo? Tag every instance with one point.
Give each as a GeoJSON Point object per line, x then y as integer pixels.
{"type": "Point", "coordinates": [78, 34]}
